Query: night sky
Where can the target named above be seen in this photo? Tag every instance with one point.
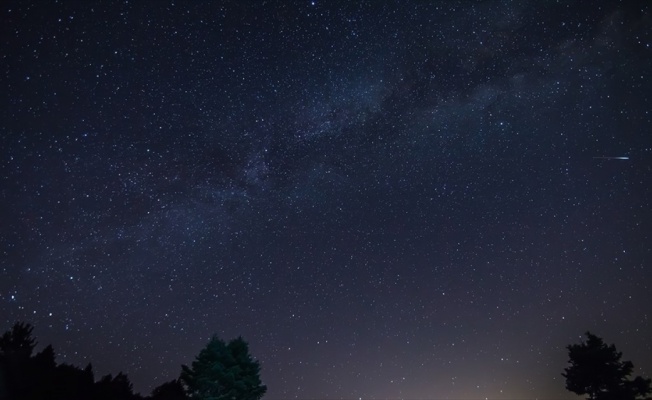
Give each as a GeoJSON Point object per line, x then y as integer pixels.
{"type": "Point", "coordinates": [386, 199]}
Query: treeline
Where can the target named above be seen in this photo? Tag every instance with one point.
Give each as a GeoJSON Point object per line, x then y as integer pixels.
{"type": "Point", "coordinates": [28, 376]}
{"type": "Point", "coordinates": [227, 371]}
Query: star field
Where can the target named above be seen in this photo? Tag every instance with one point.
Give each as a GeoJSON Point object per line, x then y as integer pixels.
{"type": "Point", "coordinates": [385, 199]}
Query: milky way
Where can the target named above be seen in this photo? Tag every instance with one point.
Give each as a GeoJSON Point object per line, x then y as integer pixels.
{"type": "Point", "coordinates": [385, 199]}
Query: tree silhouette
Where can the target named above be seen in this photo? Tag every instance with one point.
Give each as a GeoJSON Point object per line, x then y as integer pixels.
{"type": "Point", "coordinates": [18, 342]}
{"type": "Point", "coordinates": [172, 390]}
{"type": "Point", "coordinates": [16, 347]}
{"type": "Point", "coordinates": [220, 372]}
{"type": "Point", "coordinates": [24, 376]}
{"type": "Point", "coordinates": [114, 388]}
{"type": "Point", "coordinates": [73, 383]}
{"type": "Point", "coordinates": [41, 368]}
{"type": "Point", "coordinates": [224, 372]}
{"type": "Point", "coordinates": [596, 369]}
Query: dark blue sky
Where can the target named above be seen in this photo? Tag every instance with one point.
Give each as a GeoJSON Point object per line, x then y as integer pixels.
{"type": "Point", "coordinates": [386, 199]}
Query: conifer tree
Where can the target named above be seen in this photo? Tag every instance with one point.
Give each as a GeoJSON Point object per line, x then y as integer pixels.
{"type": "Point", "coordinates": [224, 372]}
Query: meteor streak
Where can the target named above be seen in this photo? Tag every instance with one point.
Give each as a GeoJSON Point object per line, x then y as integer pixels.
{"type": "Point", "coordinates": [611, 158]}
